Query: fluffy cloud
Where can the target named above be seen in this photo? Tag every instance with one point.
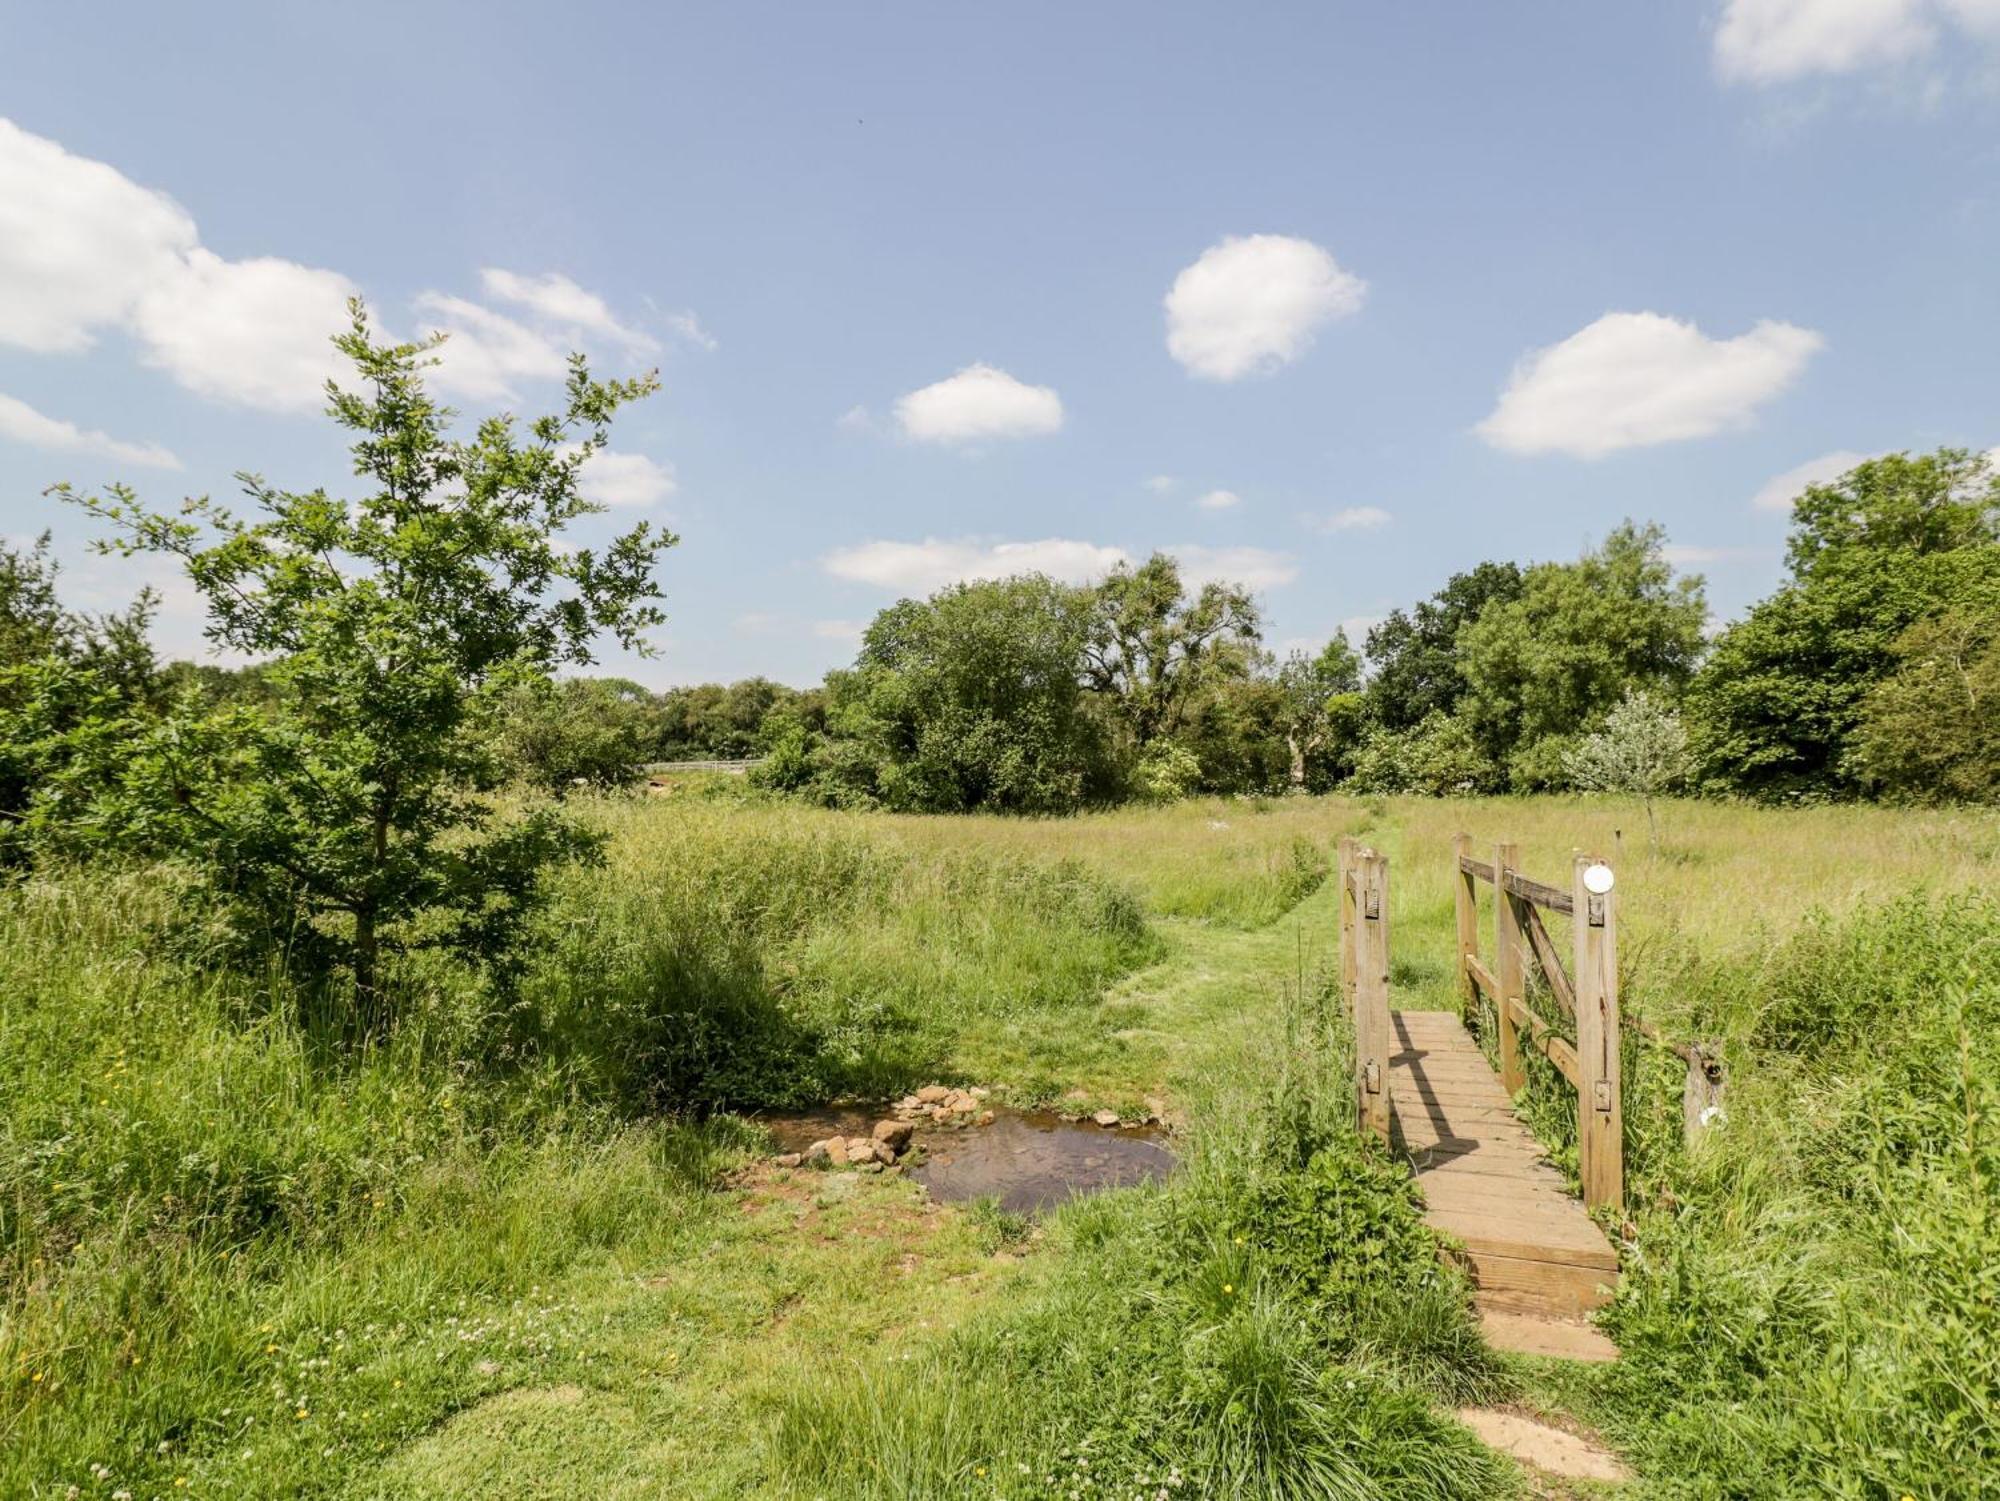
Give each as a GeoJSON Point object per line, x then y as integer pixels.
{"type": "Point", "coordinates": [556, 299]}
{"type": "Point", "coordinates": [625, 479]}
{"type": "Point", "coordinates": [1779, 41]}
{"type": "Point", "coordinates": [979, 402]}
{"type": "Point", "coordinates": [1254, 567]}
{"type": "Point", "coordinates": [1778, 492]}
{"type": "Point", "coordinates": [1219, 500]}
{"type": "Point", "coordinates": [24, 424]}
{"type": "Point", "coordinates": [923, 567]}
{"type": "Point", "coordinates": [1689, 554]}
{"type": "Point", "coordinates": [839, 630]}
{"type": "Point", "coordinates": [84, 250]}
{"type": "Point", "coordinates": [1350, 519]}
{"type": "Point", "coordinates": [1160, 484]}
{"type": "Point", "coordinates": [1633, 379]}
{"type": "Point", "coordinates": [1252, 304]}
{"type": "Point", "coordinates": [80, 244]}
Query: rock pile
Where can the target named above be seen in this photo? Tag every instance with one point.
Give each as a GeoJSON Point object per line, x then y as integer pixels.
{"type": "Point", "coordinates": [873, 1153]}
{"type": "Point", "coordinates": [945, 1107]}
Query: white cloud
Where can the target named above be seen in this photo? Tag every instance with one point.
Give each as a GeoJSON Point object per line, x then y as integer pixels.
{"type": "Point", "coordinates": [84, 249]}
{"type": "Point", "coordinates": [839, 630]}
{"type": "Point", "coordinates": [1778, 492]}
{"type": "Point", "coordinates": [1160, 484]}
{"type": "Point", "coordinates": [1357, 628]}
{"type": "Point", "coordinates": [1253, 567]}
{"type": "Point", "coordinates": [1219, 500]}
{"type": "Point", "coordinates": [855, 420]}
{"type": "Point", "coordinates": [923, 567]}
{"type": "Point", "coordinates": [1633, 379]}
{"type": "Point", "coordinates": [258, 332]}
{"type": "Point", "coordinates": [977, 403]}
{"type": "Point", "coordinates": [1774, 41]}
{"type": "Point", "coordinates": [80, 244]}
{"type": "Point", "coordinates": [487, 352]}
{"type": "Point", "coordinates": [24, 424]}
{"type": "Point", "coordinates": [625, 479]}
{"type": "Point", "coordinates": [554, 298]}
{"type": "Point", "coordinates": [1252, 304]}
{"type": "Point", "coordinates": [1350, 519]}
{"type": "Point", "coordinates": [689, 328]}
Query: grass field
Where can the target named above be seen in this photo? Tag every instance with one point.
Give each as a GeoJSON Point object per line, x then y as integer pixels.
{"type": "Point", "coordinates": [527, 1249]}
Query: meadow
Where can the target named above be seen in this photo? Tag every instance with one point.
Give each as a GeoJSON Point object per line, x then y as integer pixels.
{"type": "Point", "coordinates": [528, 1244]}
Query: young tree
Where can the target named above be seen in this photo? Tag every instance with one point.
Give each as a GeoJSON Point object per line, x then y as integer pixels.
{"type": "Point", "coordinates": [1152, 649]}
{"type": "Point", "coordinates": [1642, 751]}
{"type": "Point", "coordinates": [1317, 699]}
{"type": "Point", "coordinates": [346, 809]}
{"type": "Point", "coordinates": [578, 732]}
{"type": "Point", "coordinates": [1931, 731]}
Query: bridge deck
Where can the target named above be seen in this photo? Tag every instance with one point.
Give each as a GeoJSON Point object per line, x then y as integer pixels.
{"type": "Point", "coordinates": [1533, 1253]}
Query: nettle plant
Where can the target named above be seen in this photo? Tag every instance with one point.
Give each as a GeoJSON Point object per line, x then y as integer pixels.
{"type": "Point", "coordinates": [347, 815]}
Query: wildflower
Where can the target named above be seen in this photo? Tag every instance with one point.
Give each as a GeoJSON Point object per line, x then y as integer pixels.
{"type": "Point", "coordinates": [1229, 1287]}
{"type": "Point", "coordinates": [1241, 1239]}
{"type": "Point", "coordinates": [301, 1414]}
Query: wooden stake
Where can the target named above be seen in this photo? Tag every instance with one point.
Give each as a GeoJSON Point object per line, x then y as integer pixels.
{"type": "Point", "coordinates": [1507, 967]}
{"type": "Point", "coordinates": [1466, 896]}
{"type": "Point", "coordinates": [1372, 1033]}
{"type": "Point", "coordinates": [1600, 1130]}
{"type": "Point", "coordinates": [1344, 898]}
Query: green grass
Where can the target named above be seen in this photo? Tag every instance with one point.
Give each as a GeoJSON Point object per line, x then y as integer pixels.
{"type": "Point", "coordinates": [513, 1251]}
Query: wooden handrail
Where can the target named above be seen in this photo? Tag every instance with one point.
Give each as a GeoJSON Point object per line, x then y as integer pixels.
{"type": "Point", "coordinates": [1540, 895]}
{"type": "Point", "coordinates": [1546, 956]}
{"type": "Point", "coordinates": [1478, 869]}
{"type": "Point", "coordinates": [1556, 1049]}
{"type": "Point", "coordinates": [1482, 977]}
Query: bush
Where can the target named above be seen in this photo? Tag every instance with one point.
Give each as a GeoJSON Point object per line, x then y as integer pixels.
{"type": "Point", "coordinates": [1166, 773]}
{"type": "Point", "coordinates": [1439, 758]}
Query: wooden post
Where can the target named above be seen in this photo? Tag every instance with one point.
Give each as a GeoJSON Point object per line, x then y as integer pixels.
{"type": "Point", "coordinates": [1466, 895]}
{"type": "Point", "coordinates": [1507, 966]}
{"type": "Point", "coordinates": [1600, 1130]}
{"type": "Point", "coordinates": [1372, 1033]}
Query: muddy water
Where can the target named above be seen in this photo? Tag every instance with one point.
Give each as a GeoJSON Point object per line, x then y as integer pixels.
{"type": "Point", "coordinates": [1027, 1160]}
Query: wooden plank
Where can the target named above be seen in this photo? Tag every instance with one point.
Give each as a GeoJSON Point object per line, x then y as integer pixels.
{"type": "Point", "coordinates": [1479, 870]}
{"type": "Point", "coordinates": [1552, 1047]}
{"type": "Point", "coordinates": [1346, 903]}
{"type": "Point", "coordinates": [1600, 1131]}
{"type": "Point", "coordinates": [1482, 977]}
{"type": "Point", "coordinates": [1550, 1284]}
{"type": "Point", "coordinates": [1551, 1339]}
{"type": "Point", "coordinates": [1548, 959]}
{"type": "Point", "coordinates": [1507, 984]}
{"type": "Point", "coordinates": [1555, 899]}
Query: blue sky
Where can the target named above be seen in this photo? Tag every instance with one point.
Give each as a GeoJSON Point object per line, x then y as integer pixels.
{"type": "Point", "coordinates": [1335, 298]}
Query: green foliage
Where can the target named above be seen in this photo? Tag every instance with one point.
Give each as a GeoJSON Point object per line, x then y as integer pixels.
{"type": "Point", "coordinates": [1641, 751]}
{"type": "Point", "coordinates": [1821, 1313]}
{"type": "Point", "coordinates": [1576, 639]}
{"type": "Point", "coordinates": [341, 816]}
{"type": "Point", "coordinates": [966, 700]}
{"type": "Point", "coordinates": [728, 722]}
{"type": "Point", "coordinates": [1319, 711]}
{"type": "Point", "coordinates": [1926, 732]}
{"type": "Point", "coordinates": [580, 732]}
{"type": "Point", "coordinates": [1166, 773]}
{"type": "Point", "coordinates": [1151, 650]}
{"type": "Point", "coordinates": [1777, 707]}
{"type": "Point", "coordinates": [1414, 656]}
{"type": "Point", "coordinates": [1439, 758]}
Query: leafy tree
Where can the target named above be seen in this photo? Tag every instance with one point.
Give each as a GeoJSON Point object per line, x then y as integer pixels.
{"type": "Point", "coordinates": [1414, 656]}
{"type": "Point", "coordinates": [580, 731]}
{"type": "Point", "coordinates": [1439, 758]}
{"type": "Point", "coordinates": [1318, 698]}
{"type": "Point", "coordinates": [1896, 539]}
{"type": "Point", "coordinates": [717, 720]}
{"type": "Point", "coordinates": [967, 700]}
{"type": "Point", "coordinates": [1931, 731]}
{"type": "Point", "coordinates": [1234, 730]}
{"type": "Point", "coordinates": [1152, 649]}
{"type": "Point", "coordinates": [345, 810]}
{"type": "Point", "coordinates": [1576, 639]}
{"type": "Point", "coordinates": [72, 689]}
{"type": "Point", "coordinates": [1642, 751]}
{"type": "Point", "coordinates": [1167, 772]}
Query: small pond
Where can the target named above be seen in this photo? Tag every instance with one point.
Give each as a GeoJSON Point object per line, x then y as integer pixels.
{"type": "Point", "coordinates": [1027, 1160]}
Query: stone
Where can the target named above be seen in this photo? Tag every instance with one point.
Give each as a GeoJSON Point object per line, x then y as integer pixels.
{"type": "Point", "coordinates": [869, 1167]}
{"type": "Point", "coordinates": [985, 1118]}
{"type": "Point", "coordinates": [964, 1104]}
{"type": "Point", "coordinates": [836, 1151]}
{"type": "Point", "coordinates": [790, 1159]}
{"type": "Point", "coordinates": [864, 1149]}
{"type": "Point", "coordinates": [930, 1094]}
{"type": "Point", "coordinates": [979, 1093]}
{"type": "Point", "coordinates": [1106, 1117]}
{"type": "Point", "coordinates": [895, 1135]}
{"type": "Point", "coordinates": [819, 1151]}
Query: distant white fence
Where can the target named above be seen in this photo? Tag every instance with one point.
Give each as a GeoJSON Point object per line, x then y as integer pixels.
{"type": "Point", "coordinates": [668, 768]}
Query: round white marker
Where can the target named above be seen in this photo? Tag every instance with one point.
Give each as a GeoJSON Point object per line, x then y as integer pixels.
{"type": "Point", "coordinates": [1597, 879]}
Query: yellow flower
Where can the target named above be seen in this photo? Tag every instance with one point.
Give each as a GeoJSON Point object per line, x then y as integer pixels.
{"type": "Point", "coordinates": [1229, 1287]}
{"type": "Point", "coordinates": [398, 1381]}
{"type": "Point", "coordinates": [270, 1349]}
{"type": "Point", "coordinates": [302, 1414]}
{"type": "Point", "coordinates": [1239, 1240]}
{"type": "Point", "coordinates": [979, 1469]}
{"type": "Point", "coordinates": [36, 1377]}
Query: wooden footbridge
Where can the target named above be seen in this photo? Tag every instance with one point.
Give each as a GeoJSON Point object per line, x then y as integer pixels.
{"type": "Point", "coordinates": [1537, 1259]}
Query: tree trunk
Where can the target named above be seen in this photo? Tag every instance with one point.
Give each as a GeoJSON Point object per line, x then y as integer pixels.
{"type": "Point", "coordinates": [1297, 747]}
